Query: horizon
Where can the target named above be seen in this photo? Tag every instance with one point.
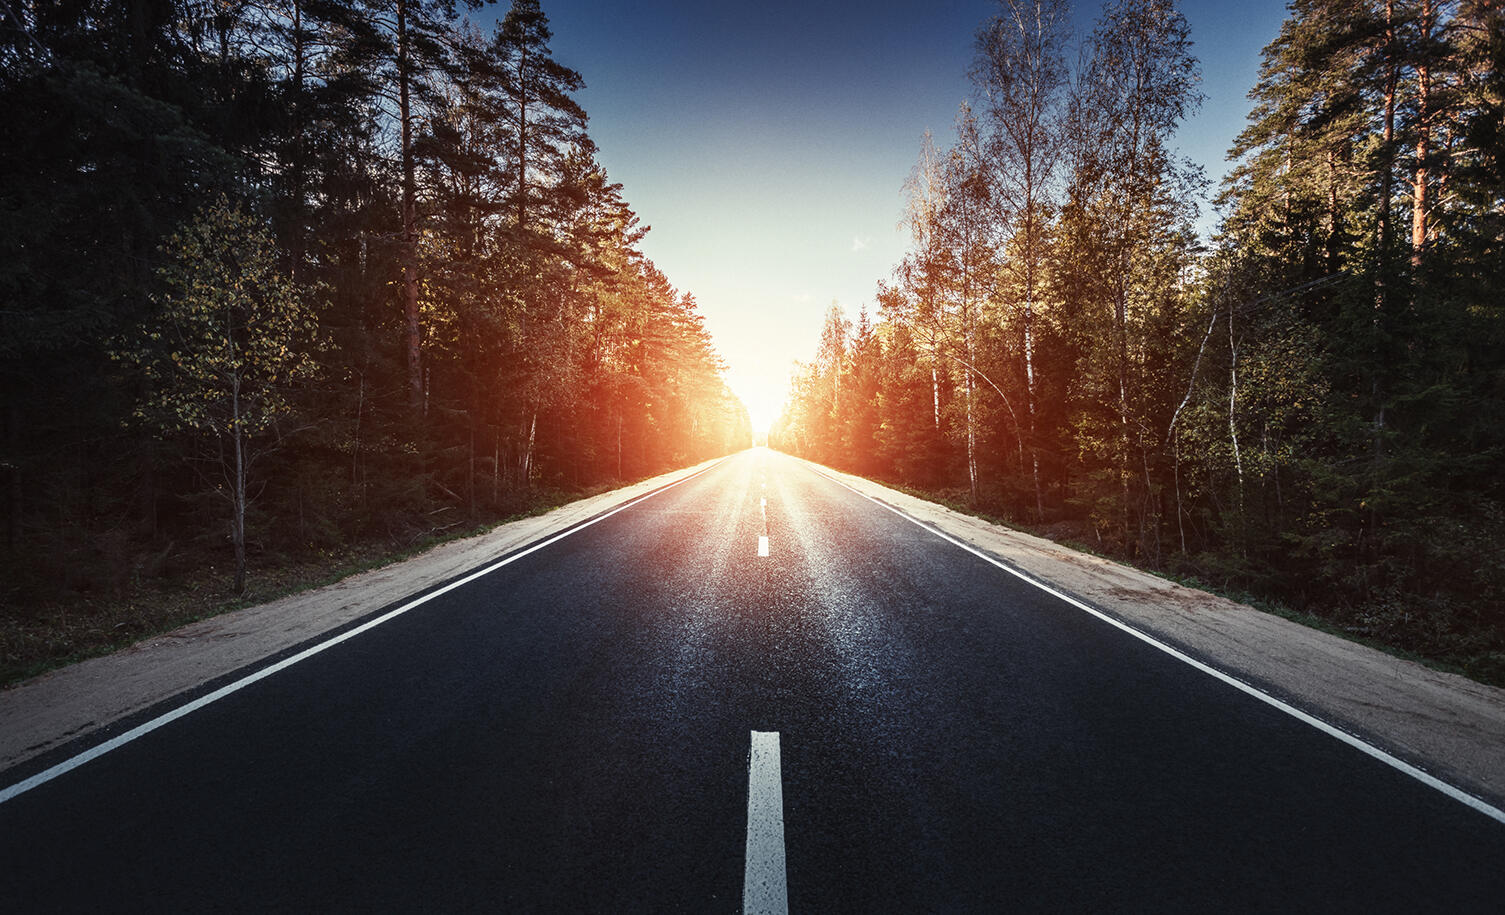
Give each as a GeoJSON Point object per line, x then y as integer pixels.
{"type": "Point", "coordinates": [773, 191]}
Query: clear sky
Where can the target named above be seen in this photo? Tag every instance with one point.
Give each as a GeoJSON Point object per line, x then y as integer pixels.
{"type": "Point", "coordinates": [767, 143]}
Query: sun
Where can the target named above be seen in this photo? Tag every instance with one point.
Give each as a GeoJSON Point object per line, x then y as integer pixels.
{"type": "Point", "coordinates": [764, 401]}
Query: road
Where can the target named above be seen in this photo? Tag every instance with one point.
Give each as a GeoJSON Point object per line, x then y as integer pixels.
{"type": "Point", "coordinates": [571, 732]}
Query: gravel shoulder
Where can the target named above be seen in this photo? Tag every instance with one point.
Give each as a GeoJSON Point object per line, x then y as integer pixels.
{"type": "Point", "coordinates": [1443, 723]}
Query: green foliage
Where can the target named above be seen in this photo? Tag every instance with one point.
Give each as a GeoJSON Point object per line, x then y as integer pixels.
{"type": "Point", "coordinates": [1312, 407]}
{"type": "Point", "coordinates": [389, 182]}
{"type": "Point", "coordinates": [230, 335]}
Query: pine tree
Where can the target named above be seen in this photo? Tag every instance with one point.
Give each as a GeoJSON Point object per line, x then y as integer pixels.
{"type": "Point", "coordinates": [860, 442]}
{"type": "Point", "coordinates": [539, 127]}
{"type": "Point", "coordinates": [416, 37]}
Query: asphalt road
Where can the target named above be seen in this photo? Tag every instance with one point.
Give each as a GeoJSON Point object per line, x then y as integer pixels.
{"type": "Point", "coordinates": [571, 733]}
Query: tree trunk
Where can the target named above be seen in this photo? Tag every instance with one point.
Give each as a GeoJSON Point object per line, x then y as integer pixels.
{"type": "Point", "coordinates": [1382, 294]}
{"type": "Point", "coordinates": [1029, 357]}
{"type": "Point", "coordinates": [1428, 18]}
{"type": "Point", "coordinates": [298, 165]}
{"type": "Point", "coordinates": [1333, 246]}
{"type": "Point", "coordinates": [1173, 432]}
{"type": "Point", "coordinates": [1387, 150]}
{"type": "Point", "coordinates": [355, 450]}
{"type": "Point", "coordinates": [935, 392]}
{"type": "Point", "coordinates": [17, 488]}
{"type": "Point", "coordinates": [409, 214]}
{"type": "Point", "coordinates": [496, 464]}
{"type": "Point", "coordinates": [522, 139]}
{"type": "Point", "coordinates": [971, 444]}
{"type": "Point", "coordinates": [238, 524]}
{"type": "Point", "coordinates": [1121, 322]}
{"type": "Point", "coordinates": [470, 479]}
{"type": "Point", "coordinates": [1238, 459]}
{"type": "Point", "coordinates": [525, 456]}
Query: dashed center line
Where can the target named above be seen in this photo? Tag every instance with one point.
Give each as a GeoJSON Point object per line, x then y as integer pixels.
{"type": "Point", "coordinates": [765, 886]}
{"type": "Point", "coordinates": [763, 539]}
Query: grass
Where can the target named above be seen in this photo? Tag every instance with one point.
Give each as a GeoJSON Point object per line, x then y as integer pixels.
{"type": "Point", "coordinates": [78, 627]}
{"type": "Point", "coordinates": [72, 628]}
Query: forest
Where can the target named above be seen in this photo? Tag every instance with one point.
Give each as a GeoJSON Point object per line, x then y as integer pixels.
{"type": "Point", "coordinates": [277, 276]}
{"type": "Point", "coordinates": [1307, 408]}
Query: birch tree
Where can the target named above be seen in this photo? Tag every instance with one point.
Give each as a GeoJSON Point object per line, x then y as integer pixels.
{"type": "Point", "coordinates": [1020, 73]}
{"type": "Point", "coordinates": [228, 338]}
{"type": "Point", "coordinates": [1129, 198]}
{"type": "Point", "coordinates": [919, 273]}
{"type": "Point", "coordinates": [965, 231]}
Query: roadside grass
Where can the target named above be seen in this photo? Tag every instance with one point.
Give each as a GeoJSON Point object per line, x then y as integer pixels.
{"type": "Point", "coordinates": [1484, 664]}
{"type": "Point", "coordinates": [75, 627]}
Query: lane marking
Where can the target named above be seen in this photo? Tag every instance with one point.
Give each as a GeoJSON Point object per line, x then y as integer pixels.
{"type": "Point", "coordinates": [141, 730]}
{"type": "Point", "coordinates": [1358, 743]}
{"type": "Point", "coordinates": [763, 546]}
{"type": "Point", "coordinates": [765, 887]}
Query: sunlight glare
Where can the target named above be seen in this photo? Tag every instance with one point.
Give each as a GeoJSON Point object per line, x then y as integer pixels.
{"type": "Point", "coordinates": [763, 399]}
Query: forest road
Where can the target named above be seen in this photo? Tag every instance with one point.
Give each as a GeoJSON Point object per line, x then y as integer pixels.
{"type": "Point", "coordinates": [571, 732]}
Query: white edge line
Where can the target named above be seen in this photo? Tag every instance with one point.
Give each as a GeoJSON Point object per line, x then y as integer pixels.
{"type": "Point", "coordinates": [1431, 781]}
{"type": "Point", "coordinates": [120, 740]}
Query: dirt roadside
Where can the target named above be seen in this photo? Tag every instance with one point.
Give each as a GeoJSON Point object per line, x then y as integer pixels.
{"type": "Point", "coordinates": [1442, 723]}
{"type": "Point", "coordinates": [42, 713]}
{"type": "Point", "coordinates": [1445, 724]}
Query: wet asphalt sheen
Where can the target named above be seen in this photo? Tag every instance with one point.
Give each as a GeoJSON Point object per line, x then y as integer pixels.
{"type": "Point", "coordinates": [570, 733]}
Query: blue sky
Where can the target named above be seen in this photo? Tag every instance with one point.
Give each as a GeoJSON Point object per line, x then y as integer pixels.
{"type": "Point", "coordinates": [767, 143]}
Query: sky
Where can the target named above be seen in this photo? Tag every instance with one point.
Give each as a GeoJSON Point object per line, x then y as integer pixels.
{"type": "Point", "coordinates": [767, 143]}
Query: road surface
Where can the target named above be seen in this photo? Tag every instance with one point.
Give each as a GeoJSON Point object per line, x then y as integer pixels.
{"type": "Point", "coordinates": [649, 714]}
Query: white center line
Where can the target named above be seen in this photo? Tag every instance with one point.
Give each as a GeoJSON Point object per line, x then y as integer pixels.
{"type": "Point", "coordinates": [764, 884]}
{"type": "Point", "coordinates": [762, 545]}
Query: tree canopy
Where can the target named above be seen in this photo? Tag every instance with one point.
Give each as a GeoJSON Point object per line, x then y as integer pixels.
{"type": "Point", "coordinates": [1307, 406]}
{"type": "Point", "coordinates": [205, 190]}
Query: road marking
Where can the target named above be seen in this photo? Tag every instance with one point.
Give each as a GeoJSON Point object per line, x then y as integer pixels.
{"type": "Point", "coordinates": [765, 886]}
{"type": "Point", "coordinates": [762, 546]}
{"type": "Point", "coordinates": [1358, 743]}
{"type": "Point", "coordinates": [141, 730]}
